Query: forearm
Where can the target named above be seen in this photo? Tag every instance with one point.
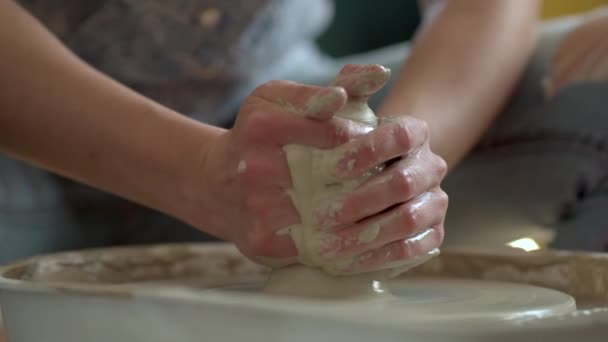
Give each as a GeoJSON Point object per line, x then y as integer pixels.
{"type": "Point", "coordinates": [465, 61]}
{"type": "Point", "coordinates": [62, 115]}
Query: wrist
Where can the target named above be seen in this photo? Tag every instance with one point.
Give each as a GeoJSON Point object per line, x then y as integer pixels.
{"type": "Point", "coordinates": [194, 191]}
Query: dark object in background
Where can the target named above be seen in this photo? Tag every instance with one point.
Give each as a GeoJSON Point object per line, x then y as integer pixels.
{"type": "Point", "coordinates": [363, 25]}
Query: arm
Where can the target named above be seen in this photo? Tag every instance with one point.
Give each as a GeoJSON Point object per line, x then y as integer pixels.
{"type": "Point", "coordinates": [61, 114]}
{"type": "Point", "coordinates": [464, 63]}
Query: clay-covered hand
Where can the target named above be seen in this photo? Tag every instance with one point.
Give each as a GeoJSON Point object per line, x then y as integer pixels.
{"type": "Point", "coordinates": [583, 54]}
{"type": "Point", "coordinates": [397, 215]}
{"type": "Point", "coordinates": [245, 196]}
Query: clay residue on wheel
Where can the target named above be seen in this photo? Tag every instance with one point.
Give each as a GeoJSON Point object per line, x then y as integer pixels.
{"type": "Point", "coordinates": [164, 265]}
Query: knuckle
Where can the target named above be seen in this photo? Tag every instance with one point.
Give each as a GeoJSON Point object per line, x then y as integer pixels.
{"type": "Point", "coordinates": [441, 167]}
{"type": "Point", "coordinates": [404, 182]}
{"type": "Point", "coordinates": [440, 234]}
{"type": "Point", "coordinates": [365, 154]}
{"type": "Point", "coordinates": [443, 199]}
{"type": "Point", "coordinates": [408, 216]}
{"type": "Point", "coordinates": [402, 135]}
{"type": "Point", "coordinates": [260, 119]}
{"type": "Point", "coordinates": [424, 129]}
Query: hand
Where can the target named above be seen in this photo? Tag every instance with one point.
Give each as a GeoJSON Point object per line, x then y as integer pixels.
{"type": "Point", "coordinates": [397, 215]}
{"type": "Point", "coordinates": [583, 54]}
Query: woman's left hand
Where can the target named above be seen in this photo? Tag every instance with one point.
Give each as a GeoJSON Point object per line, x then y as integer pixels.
{"type": "Point", "coordinates": [399, 213]}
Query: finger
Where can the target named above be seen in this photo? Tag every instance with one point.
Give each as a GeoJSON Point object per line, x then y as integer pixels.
{"type": "Point", "coordinates": [399, 253]}
{"type": "Point", "coordinates": [304, 100]}
{"type": "Point", "coordinates": [399, 183]}
{"type": "Point", "coordinates": [362, 81]}
{"type": "Point", "coordinates": [387, 142]}
{"type": "Point", "coordinates": [399, 223]}
{"type": "Point", "coordinates": [267, 124]}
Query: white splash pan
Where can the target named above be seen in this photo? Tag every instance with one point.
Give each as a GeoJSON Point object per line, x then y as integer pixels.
{"type": "Point", "coordinates": [132, 294]}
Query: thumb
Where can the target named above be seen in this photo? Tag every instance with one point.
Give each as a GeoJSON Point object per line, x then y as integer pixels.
{"type": "Point", "coordinates": [362, 81]}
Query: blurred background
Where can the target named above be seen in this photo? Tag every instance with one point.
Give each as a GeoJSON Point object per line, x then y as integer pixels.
{"type": "Point", "coordinates": [345, 36]}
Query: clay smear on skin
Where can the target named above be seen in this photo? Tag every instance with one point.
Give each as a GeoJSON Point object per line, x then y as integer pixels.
{"type": "Point", "coordinates": [313, 105]}
{"type": "Point", "coordinates": [327, 216]}
{"type": "Point", "coordinates": [369, 234]}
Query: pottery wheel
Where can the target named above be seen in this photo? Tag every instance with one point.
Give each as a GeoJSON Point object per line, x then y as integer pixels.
{"type": "Point", "coordinates": [432, 300]}
{"type": "Point", "coordinates": [448, 299]}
